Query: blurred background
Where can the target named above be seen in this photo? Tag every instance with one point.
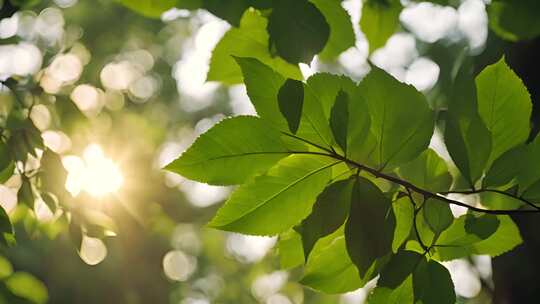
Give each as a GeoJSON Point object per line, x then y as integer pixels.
{"type": "Point", "coordinates": [121, 95]}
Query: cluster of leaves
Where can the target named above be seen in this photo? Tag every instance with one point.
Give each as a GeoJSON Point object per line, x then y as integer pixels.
{"type": "Point", "coordinates": [343, 173]}
{"type": "Point", "coordinates": [20, 287]}
{"type": "Point", "coordinates": [42, 175]}
{"type": "Point", "coordinates": [21, 144]}
{"type": "Point", "coordinates": [298, 30]}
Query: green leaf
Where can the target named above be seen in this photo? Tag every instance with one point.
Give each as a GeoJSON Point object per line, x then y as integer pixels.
{"type": "Point", "coordinates": [7, 172]}
{"type": "Point", "coordinates": [291, 100]}
{"type": "Point", "coordinates": [25, 137]}
{"type": "Point", "coordinates": [398, 268]}
{"type": "Point", "coordinates": [505, 106]}
{"type": "Point", "coordinates": [5, 158]}
{"type": "Point", "coordinates": [339, 119]}
{"type": "Point", "coordinates": [276, 201]}
{"type": "Point", "coordinates": [326, 87]}
{"type": "Point", "coordinates": [329, 213]}
{"type": "Point", "coordinates": [6, 269]}
{"type": "Point", "coordinates": [529, 165]}
{"type": "Point", "coordinates": [329, 268]}
{"type": "Point", "coordinates": [360, 141]}
{"type": "Point", "coordinates": [369, 231]}
{"type": "Point", "coordinates": [291, 253]}
{"type": "Point", "coordinates": [432, 284]}
{"type": "Point", "coordinates": [26, 286]}
{"type": "Point", "coordinates": [25, 195]}
{"type": "Point", "coordinates": [314, 124]}
{"type": "Point", "coordinates": [428, 171]}
{"type": "Point", "coordinates": [320, 95]}
{"type": "Point", "coordinates": [6, 229]}
{"type": "Point", "coordinates": [404, 212]}
{"type": "Point", "coordinates": [149, 8]}
{"type": "Point", "coordinates": [53, 175]}
{"type": "Point", "coordinates": [520, 165]}
{"type": "Point", "coordinates": [231, 10]}
{"type": "Point", "coordinates": [25, 4]}
{"type": "Point", "coordinates": [437, 215]}
{"type": "Point", "coordinates": [50, 200]}
{"type": "Point", "coordinates": [249, 40]}
{"type": "Point", "coordinates": [482, 226]}
{"type": "Point", "coordinates": [341, 29]}
{"type": "Point", "coordinates": [506, 169]}
{"type": "Point", "coordinates": [532, 193]}
{"type": "Point", "coordinates": [231, 152]}
{"type": "Point", "coordinates": [401, 120]}
{"type": "Point", "coordinates": [469, 229]}
{"type": "Point", "coordinates": [466, 137]}
{"type": "Point", "coordinates": [189, 4]}
{"type": "Point", "coordinates": [489, 234]}
{"type": "Point", "coordinates": [7, 166]}
{"type": "Point", "coordinates": [515, 20]}
{"type": "Point", "coordinates": [263, 85]}
{"type": "Point", "coordinates": [402, 294]}
{"type": "Point", "coordinates": [298, 30]}
{"type": "Point", "coordinates": [379, 21]}
{"type": "Point", "coordinates": [493, 200]}
{"type": "Point", "coordinates": [506, 238]}
{"type": "Point", "coordinates": [75, 233]}
{"type": "Point", "coordinates": [409, 278]}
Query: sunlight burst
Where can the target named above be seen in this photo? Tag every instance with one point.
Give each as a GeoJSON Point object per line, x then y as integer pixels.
{"type": "Point", "coordinates": [94, 173]}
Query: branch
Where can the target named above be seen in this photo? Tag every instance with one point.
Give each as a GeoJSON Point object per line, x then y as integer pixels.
{"type": "Point", "coordinates": [407, 185]}
{"type": "Point", "coordinates": [519, 198]}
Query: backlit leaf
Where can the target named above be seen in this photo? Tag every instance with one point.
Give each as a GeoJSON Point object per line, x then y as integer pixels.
{"type": "Point", "coordinates": [401, 120]}
{"type": "Point", "coordinates": [231, 152]}
{"type": "Point", "coordinates": [504, 105]}
{"type": "Point", "coordinates": [329, 268]}
{"type": "Point", "coordinates": [428, 171]}
{"type": "Point", "coordinates": [248, 40]}
{"type": "Point", "coordinates": [466, 137]}
{"type": "Point", "coordinates": [379, 20]}
{"type": "Point", "coordinates": [404, 212]}
{"type": "Point", "coordinates": [289, 189]}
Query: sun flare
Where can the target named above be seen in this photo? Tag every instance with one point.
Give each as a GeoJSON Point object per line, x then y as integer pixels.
{"type": "Point", "coordinates": [94, 173]}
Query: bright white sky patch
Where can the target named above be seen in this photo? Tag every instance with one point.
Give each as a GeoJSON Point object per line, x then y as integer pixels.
{"type": "Point", "coordinates": [465, 278]}
{"type": "Point", "coordinates": [249, 248]}
{"type": "Point", "coordinates": [190, 71]}
{"type": "Point", "coordinates": [398, 51]}
{"type": "Point", "coordinates": [422, 74]}
{"type": "Point", "coordinates": [19, 59]}
{"type": "Point", "coordinates": [267, 285]}
{"type": "Point", "coordinates": [429, 22]}
{"type": "Point", "coordinates": [93, 173]}
{"type": "Point", "coordinates": [473, 23]}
